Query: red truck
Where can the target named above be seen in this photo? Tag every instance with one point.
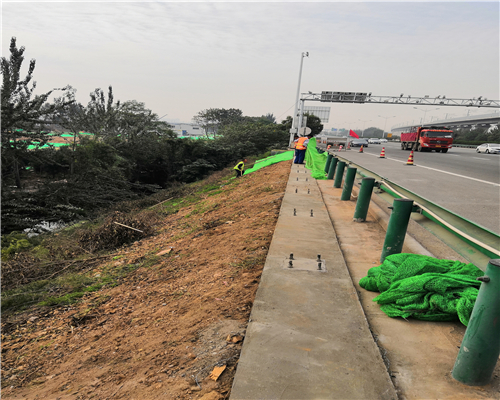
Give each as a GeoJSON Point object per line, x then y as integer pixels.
{"type": "Point", "coordinates": [427, 139]}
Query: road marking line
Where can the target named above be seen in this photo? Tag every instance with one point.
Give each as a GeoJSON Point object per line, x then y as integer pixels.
{"type": "Point", "coordinates": [440, 170]}
{"type": "Point", "coordinates": [482, 159]}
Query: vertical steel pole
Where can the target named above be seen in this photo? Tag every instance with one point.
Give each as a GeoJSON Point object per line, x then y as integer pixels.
{"type": "Point", "coordinates": [328, 161]}
{"type": "Point", "coordinates": [295, 128]}
{"type": "Point", "coordinates": [480, 347]}
{"type": "Point", "coordinates": [348, 183]}
{"type": "Point", "coordinates": [333, 164]}
{"type": "Point", "coordinates": [396, 230]}
{"type": "Point", "coordinates": [364, 196]}
{"type": "Point", "coordinates": [339, 174]}
{"type": "Point", "coordinates": [301, 116]}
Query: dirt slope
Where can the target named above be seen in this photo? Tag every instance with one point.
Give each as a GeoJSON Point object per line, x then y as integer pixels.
{"type": "Point", "coordinates": [161, 332]}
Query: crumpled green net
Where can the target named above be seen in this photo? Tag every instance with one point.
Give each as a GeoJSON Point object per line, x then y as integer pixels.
{"type": "Point", "coordinates": [285, 156]}
{"type": "Point", "coordinates": [315, 160]}
{"type": "Point", "coordinates": [424, 288]}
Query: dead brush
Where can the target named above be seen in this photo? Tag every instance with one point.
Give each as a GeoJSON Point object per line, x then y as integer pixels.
{"type": "Point", "coordinates": [117, 230]}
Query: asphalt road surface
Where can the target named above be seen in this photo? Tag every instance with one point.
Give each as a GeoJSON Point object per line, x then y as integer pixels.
{"type": "Point", "coordinates": [461, 180]}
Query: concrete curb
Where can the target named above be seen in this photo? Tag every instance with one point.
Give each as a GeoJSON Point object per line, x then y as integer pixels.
{"type": "Point", "coordinates": [308, 336]}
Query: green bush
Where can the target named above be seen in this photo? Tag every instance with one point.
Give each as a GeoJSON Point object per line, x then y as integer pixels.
{"type": "Point", "coordinates": [16, 242]}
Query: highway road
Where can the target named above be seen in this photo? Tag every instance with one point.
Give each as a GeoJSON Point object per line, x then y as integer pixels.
{"type": "Point", "coordinates": [461, 180]}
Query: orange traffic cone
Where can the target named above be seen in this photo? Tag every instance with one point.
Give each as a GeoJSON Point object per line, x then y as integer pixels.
{"type": "Point", "coordinates": [361, 149]}
{"type": "Point", "coordinates": [382, 153]}
{"type": "Point", "coordinates": [410, 159]}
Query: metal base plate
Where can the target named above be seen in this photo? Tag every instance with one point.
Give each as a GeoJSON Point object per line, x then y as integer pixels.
{"type": "Point", "coordinates": [304, 264]}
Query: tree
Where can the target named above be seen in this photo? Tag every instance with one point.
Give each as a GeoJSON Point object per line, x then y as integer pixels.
{"type": "Point", "coordinates": [24, 115]}
{"type": "Point", "coordinates": [269, 117]}
{"type": "Point", "coordinates": [135, 120]}
{"type": "Point", "coordinates": [212, 119]}
{"type": "Point", "coordinates": [494, 134]}
{"type": "Point", "coordinates": [254, 137]}
{"type": "Point", "coordinates": [314, 123]}
{"type": "Point", "coordinates": [373, 132]}
{"type": "Point", "coordinates": [74, 118]}
{"type": "Point", "coordinates": [102, 114]}
{"type": "Point", "coordinates": [286, 124]}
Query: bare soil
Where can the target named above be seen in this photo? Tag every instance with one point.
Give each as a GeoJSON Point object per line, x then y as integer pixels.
{"type": "Point", "coordinates": [167, 326]}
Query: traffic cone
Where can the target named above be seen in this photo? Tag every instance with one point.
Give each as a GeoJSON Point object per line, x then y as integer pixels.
{"type": "Point", "coordinates": [361, 149]}
{"type": "Point", "coordinates": [410, 159]}
{"type": "Point", "coordinates": [340, 148]}
{"type": "Point", "coordinates": [382, 153]}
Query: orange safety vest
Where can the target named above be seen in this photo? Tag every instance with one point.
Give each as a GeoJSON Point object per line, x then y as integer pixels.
{"type": "Point", "coordinates": [300, 143]}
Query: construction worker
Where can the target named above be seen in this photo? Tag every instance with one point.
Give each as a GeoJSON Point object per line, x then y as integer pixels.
{"type": "Point", "coordinates": [300, 149]}
{"type": "Point", "coordinates": [240, 168]}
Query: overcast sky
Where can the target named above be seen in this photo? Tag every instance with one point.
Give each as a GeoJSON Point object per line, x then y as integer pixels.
{"type": "Point", "coordinates": [182, 57]}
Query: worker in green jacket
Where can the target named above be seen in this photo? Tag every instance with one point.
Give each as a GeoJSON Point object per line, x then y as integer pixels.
{"type": "Point", "coordinates": [240, 168]}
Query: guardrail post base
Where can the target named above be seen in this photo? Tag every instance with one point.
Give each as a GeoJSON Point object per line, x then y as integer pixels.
{"type": "Point", "coordinates": [333, 164]}
{"type": "Point", "coordinates": [480, 347]}
{"type": "Point", "coordinates": [339, 174]}
{"type": "Point", "coordinates": [364, 196]}
{"type": "Point", "coordinates": [396, 230]}
{"type": "Point", "coordinates": [328, 162]}
{"type": "Point", "coordinates": [348, 183]}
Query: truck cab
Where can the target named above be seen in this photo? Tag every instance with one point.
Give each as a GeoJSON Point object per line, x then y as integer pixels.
{"type": "Point", "coordinates": [430, 138]}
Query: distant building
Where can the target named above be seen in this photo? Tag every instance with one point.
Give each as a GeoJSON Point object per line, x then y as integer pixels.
{"type": "Point", "coordinates": [182, 129]}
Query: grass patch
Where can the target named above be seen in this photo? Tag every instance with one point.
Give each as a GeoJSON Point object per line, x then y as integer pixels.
{"type": "Point", "coordinates": [208, 188]}
{"type": "Point", "coordinates": [216, 192]}
{"type": "Point", "coordinates": [173, 206]}
{"type": "Point", "coordinates": [68, 289]}
{"type": "Point", "coordinates": [250, 262]}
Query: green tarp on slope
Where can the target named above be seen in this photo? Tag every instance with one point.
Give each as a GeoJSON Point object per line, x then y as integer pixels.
{"type": "Point", "coordinates": [46, 145]}
{"type": "Point", "coordinates": [285, 156]}
{"type": "Point", "coordinates": [424, 287]}
{"type": "Point", "coordinates": [315, 161]}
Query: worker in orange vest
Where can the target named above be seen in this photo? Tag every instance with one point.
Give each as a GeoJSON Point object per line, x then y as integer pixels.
{"type": "Point", "coordinates": [300, 148]}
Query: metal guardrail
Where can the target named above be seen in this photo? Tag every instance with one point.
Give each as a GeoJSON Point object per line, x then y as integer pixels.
{"type": "Point", "coordinates": [482, 239]}
{"type": "Point", "coordinates": [468, 146]}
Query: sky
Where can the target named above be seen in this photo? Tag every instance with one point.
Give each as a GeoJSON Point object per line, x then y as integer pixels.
{"type": "Point", "coordinates": [180, 58]}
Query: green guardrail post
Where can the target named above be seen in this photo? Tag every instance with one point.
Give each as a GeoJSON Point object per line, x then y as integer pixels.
{"type": "Point", "coordinates": [328, 161]}
{"type": "Point", "coordinates": [348, 183]}
{"type": "Point", "coordinates": [339, 174]}
{"type": "Point", "coordinates": [364, 196]}
{"type": "Point", "coordinates": [333, 164]}
{"type": "Point", "coordinates": [396, 229]}
{"type": "Point", "coordinates": [480, 347]}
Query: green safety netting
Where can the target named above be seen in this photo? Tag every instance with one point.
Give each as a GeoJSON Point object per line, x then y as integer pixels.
{"type": "Point", "coordinates": [315, 160]}
{"type": "Point", "coordinates": [424, 288]}
{"type": "Point", "coordinates": [70, 134]}
{"type": "Point", "coordinates": [196, 137]}
{"type": "Point", "coordinates": [37, 146]}
{"type": "Point", "coordinates": [285, 156]}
